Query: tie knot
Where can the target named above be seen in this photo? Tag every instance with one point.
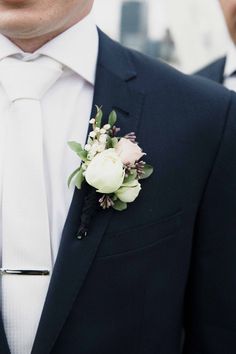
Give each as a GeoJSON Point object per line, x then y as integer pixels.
{"type": "Point", "coordinates": [28, 80]}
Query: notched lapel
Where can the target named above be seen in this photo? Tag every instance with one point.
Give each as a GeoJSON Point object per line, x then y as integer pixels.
{"type": "Point", "coordinates": [4, 349]}
{"type": "Point", "coordinates": [112, 91]}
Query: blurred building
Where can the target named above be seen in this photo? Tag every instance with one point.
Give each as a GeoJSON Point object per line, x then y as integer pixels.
{"type": "Point", "coordinates": [133, 28]}
{"type": "Point", "coordinates": [134, 32]}
{"type": "Point", "coordinates": [197, 33]}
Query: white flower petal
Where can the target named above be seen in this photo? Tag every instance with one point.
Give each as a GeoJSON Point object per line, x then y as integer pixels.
{"type": "Point", "coordinates": [105, 172]}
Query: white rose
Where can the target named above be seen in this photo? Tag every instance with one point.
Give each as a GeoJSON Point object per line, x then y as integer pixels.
{"type": "Point", "coordinates": [129, 191]}
{"type": "Point", "coordinates": [105, 172]}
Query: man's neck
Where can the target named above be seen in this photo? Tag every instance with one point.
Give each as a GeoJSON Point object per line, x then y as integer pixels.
{"type": "Point", "coordinates": [32, 44]}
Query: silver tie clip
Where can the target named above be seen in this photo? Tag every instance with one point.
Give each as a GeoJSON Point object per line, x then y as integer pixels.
{"type": "Point", "coordinates": [23, 272]}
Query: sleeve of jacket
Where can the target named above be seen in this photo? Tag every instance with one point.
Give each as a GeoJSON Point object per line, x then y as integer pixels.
{"type": "Point", "coordinates": [210, 304]}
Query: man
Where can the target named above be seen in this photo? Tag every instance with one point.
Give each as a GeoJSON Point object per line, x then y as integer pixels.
{"type": "Point", "coordinates": [223, 70]}
{"type": "Point", "coordinates": [141, 277]}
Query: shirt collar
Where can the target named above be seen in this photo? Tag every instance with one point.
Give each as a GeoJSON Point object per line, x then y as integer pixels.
{"type": "Point", "coordinates": [230, 64]}
{"type": "Point", "coordinates": [76, 48]}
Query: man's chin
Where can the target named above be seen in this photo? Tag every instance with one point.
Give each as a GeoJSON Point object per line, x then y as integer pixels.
{"type": "Point", "coordinates": [12, 3]}
{"type": "Point", "coordinates": [17, 31]}
{"type": "Point", "coordinates": [14, 24]}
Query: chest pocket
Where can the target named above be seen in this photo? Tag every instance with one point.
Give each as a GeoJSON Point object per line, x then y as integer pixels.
{"type": "Point", "coordinates": [140, 236]}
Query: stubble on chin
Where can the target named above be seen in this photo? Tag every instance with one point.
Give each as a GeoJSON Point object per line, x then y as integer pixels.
{"type": "Point", "coordinates": [24, 22]}
{"type": "Point", "coordinates": [33, 25]}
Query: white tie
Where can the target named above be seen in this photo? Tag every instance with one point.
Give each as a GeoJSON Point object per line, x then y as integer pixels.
{"type": "Point", "coordinates": [25, 224]}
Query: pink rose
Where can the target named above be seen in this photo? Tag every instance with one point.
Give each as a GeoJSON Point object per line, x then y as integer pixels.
{"type": "Point", "coordinates": [128, 152]}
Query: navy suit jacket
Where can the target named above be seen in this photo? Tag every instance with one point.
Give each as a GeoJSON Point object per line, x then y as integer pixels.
{"type": "Point", "coordinates": [167, 265]}
{"type": "Point", "coordinates": [214, 71]}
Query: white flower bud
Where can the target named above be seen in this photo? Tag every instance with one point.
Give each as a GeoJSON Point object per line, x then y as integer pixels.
{"type": "Point", "coordinates": [103, 138]}
{"type": "Point", "coordinates": [107, 127]}
{"type": "Point", "coordinates": [94, 146]}
{"type": "Point", "coordinates": [91, 155]}
{"type": "Point", "coordinates": [87, 147]}
{"type": "Point", "coordinates": [101, 148]}
{"type": "Point", "coordinates": [92, 134]}
{"type": "Point", "coordinates": [129, 191]}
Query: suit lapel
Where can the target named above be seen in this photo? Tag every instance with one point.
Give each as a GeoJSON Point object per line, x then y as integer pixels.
{"type": "Point", "coordinates": [112, 90]}
{"type": "Point", "coordinates": [4, 349]}
{"type": "Point", "coordinates": [219, 71]}
{"type": "Point", "coordinates": [214, 71]}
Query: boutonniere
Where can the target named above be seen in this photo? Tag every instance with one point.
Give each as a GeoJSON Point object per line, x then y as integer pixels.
{"type": "Point", "coordinates": [112, 165]}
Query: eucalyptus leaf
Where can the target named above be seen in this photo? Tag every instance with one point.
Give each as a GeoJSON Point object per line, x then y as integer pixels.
{"type": "Point", "coordinates": [109, 143]}
{"type": "Point", "coordinates": [98, 117]}
{"type": "Point", "coordinates": [148, 170]}
{"type": "Point", "coordinates": [73, 175]}
{"type": "Point", "coordinates": [76, 147]}
{"type": "Point", "coordinates": [79, 178]}
{"type": "Point", "coordinates": [114, 142]}
{"type": "Point", "coordinates": [119, 205]}
{"type": "Point", "coordinates": [131, 177]}
{"type": "Point", "coordinates": [83, 155]}
{"type": "Point", "coordinates": [112, 118]}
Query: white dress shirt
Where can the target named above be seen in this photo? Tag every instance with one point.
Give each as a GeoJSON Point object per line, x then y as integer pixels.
{"type": "Point", "coordinates": [66, 110]}
{"type": "Point", "coordinates": [230, 68]}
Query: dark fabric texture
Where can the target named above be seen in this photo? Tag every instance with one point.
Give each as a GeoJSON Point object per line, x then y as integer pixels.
{"type": "Point", "coordinates": [166, 266]}
{"type": "Point", "coordinates": [214, 71]}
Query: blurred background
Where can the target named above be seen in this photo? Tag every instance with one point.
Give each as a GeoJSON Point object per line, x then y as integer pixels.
{"type": "Point", "coordinates": [185, 33]}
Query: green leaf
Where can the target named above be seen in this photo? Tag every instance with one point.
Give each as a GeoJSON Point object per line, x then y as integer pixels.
{"type": "Point", "coordinates": [131, 177]}
{"type": "Point", "coordinates": [79, 179]}
{"type": "Point", "coordinates": [83, 155]}
{"type": "Point", "coordinates": [119, 205]}
{"type": "Point", "coordinates": [72, 176]}
{"type": "Point", "coordinates": [112, 118]}
{"type": "Point", "coordinates": [148, 170]}
{"type": "Point", "coordinates": [109, 143]}
{"type": "Point", "coordinates": [98, 117]}
{"type": "Point", "coordinates": [76, 147]}
{"type": "Point", "coordinates": [114, 142]}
